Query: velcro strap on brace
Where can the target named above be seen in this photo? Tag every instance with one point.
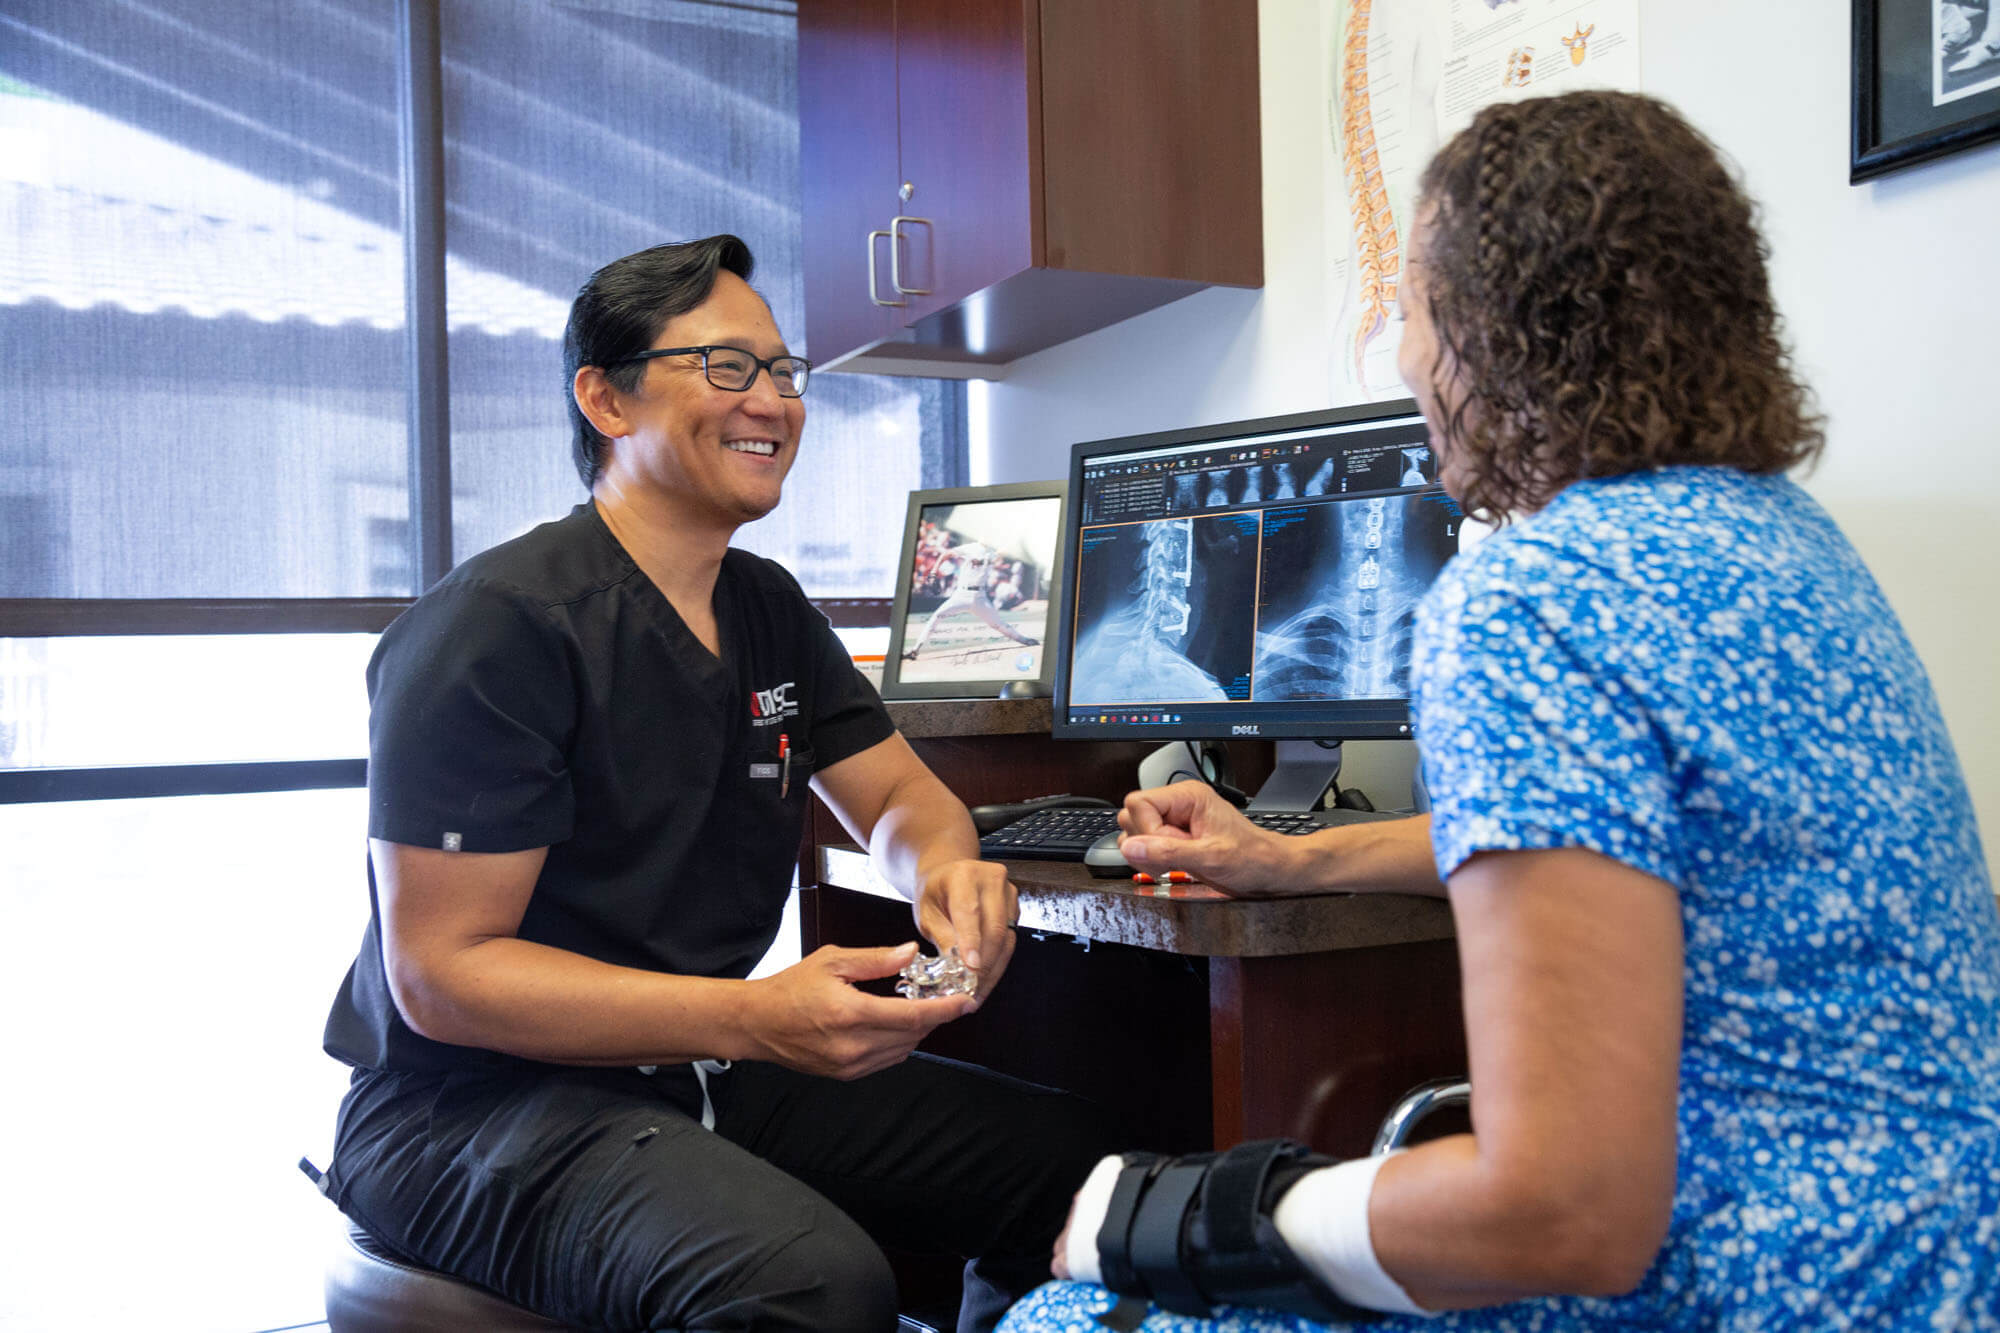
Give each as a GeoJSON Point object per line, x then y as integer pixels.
{"type": "Point", "coordinates": [1236, 1253]}
{"type": "Point", "coordinates": [1114, 1237]}
{"type": "Point", "coordinates": [1156, 1235]}
{"type": "Point", "coordinates": [1192, 1233]}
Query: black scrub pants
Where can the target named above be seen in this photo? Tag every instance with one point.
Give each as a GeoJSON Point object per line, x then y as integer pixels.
{"type": "Point", "coordinates": [595, 1196]}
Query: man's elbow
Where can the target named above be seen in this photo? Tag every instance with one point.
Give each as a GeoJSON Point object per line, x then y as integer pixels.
{"type": "Point", "coordinates": [423, 1003]}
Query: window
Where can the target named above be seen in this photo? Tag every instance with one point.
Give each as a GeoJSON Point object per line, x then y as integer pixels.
{"type": "Point", "coordinates": [201, 301]}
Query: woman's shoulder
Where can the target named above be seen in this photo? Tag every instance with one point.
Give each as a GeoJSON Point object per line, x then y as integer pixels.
{"type": "Point", "coordinates": [1656, 531]}
{"type": "Point", "coordinates": [1606, 557]}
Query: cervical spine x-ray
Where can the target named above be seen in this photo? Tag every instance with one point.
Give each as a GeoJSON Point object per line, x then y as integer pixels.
{"type": "Point", "coordinates": [1302, 602]}
{"type": "Point", "coordinates": [1340, 590]}
{"type": "Point", "coordinates": [1165, 611]}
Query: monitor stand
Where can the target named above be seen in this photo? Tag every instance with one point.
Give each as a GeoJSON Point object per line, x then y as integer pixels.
{"type": "Point", "coordinates": [1305, 773]}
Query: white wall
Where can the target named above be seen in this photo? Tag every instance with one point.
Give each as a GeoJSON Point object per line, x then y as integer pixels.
{"type": "Point", "coordinates": [1891, 290]}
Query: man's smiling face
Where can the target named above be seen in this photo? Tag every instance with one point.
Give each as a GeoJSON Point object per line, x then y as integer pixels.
{"type": "Point", "coordinates": [717, 452]}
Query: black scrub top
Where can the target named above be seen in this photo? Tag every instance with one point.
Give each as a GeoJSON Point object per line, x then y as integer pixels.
{"type": "Point", "coordinates": [546, 694]}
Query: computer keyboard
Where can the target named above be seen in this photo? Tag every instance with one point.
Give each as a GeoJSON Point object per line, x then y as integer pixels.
{"type": "Point", "coordinates": [1062, 833]}
{"type": "Point", "coordinates": [1066, 833]}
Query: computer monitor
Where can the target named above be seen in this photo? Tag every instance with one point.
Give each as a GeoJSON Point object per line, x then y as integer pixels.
{"type": "Point", "coordinates": [1257, 579]}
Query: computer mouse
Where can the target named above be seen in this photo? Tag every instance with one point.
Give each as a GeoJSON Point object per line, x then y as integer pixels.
{"type": "Point", "coordinates": [1352, 798]}
{"type": "Point", "coordinates": [1103, 859]}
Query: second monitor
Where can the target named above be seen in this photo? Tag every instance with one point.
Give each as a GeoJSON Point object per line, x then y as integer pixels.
{"type": "Point", "coordinates": [1252, 579]}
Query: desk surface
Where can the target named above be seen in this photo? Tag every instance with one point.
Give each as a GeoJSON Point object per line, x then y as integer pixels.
{"type": "Point", "coordinates": [1063, 897]}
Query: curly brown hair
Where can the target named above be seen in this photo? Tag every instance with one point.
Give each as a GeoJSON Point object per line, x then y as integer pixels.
{"type": "Point", "coordinates": [1597, 280]}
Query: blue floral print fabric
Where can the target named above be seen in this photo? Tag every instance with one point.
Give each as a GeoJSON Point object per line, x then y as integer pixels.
{"type": "Point", "coordinates": [1690, 671]}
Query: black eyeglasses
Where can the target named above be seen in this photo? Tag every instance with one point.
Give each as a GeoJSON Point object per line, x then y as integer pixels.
{"type": "Point", "coordinates": [734, 369]}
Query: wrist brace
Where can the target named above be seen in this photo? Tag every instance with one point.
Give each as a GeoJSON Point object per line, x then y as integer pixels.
{"type": "Point", "coordinates": [1191, 1233]}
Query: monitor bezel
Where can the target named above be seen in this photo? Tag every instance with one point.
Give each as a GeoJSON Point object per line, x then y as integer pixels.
{"type": "Point", "coordinates": [893, 685]}
{"type": "Point", "coordinates": [1063, 647]}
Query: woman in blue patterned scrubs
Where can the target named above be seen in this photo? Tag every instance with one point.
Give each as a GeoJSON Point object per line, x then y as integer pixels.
{"type": "Point", "coordinates": [1730, 948]}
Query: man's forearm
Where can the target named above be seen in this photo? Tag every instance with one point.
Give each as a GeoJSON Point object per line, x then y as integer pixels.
{"type": "Point", "coordinates": [923, 827]}
{"type": "Point", "coordinates": [542, 1003]}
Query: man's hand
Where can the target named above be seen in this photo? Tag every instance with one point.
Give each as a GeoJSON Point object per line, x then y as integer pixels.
{"type": "Point", "coordinates": [1188, 827]}
{"type": "Point", "coordinates": [922, 841]}
{"type": "Point", "coordinates": [811, 1018]}
{"type": "Point", "coordinates": [971, 904]}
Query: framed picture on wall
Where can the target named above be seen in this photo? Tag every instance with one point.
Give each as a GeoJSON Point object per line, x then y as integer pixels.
{"type": "Point", "coordinates": [974, 583]}
{"type": "Point", "coordinates": [1926, 81]}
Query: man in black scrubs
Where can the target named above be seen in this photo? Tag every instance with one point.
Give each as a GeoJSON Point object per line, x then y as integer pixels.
{"type": "Point", "coordinates": [590, 749]}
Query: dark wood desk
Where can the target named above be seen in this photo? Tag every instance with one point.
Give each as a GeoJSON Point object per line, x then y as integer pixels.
{"type": "Point", "coordinates": [1199, 1021]}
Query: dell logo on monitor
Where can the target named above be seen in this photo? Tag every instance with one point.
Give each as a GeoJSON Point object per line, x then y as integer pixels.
{"type": "Point", "coordinates": [1245, 729]}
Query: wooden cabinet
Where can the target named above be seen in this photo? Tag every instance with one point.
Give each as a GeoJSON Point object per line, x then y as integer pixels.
{"type": "Point", "coordinates": [987, 178]}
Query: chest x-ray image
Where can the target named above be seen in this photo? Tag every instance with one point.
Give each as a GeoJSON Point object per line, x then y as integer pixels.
{"type": "Point", "coordinates": [1165, 611]}
{"type": "Point", "coordinates": [1341, 584]}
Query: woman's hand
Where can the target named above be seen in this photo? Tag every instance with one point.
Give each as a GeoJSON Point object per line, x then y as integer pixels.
{"type": "Point", "coordinates": [1188, 827]}
{"type": "Point", "coordinates": [1059, 1262]}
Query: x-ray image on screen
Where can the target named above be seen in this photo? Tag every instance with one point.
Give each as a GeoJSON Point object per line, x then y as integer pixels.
{"type": "Point", "coordinates": [1300, 478]}
{"type": "Point", "coordinates": [1165, 611]}
{"type": "Point", "coordinates": [1341, 585]}
{"type": "Point", "coordinates": [1387, 466]}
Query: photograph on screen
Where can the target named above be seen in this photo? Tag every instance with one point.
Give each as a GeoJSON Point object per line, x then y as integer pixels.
{"type": "Point", "coordinates": [1341, 583]}
{"type": "Point", "coordinates": [1165, 611]}
{"type": "Point", "coordinates": [978, 586]}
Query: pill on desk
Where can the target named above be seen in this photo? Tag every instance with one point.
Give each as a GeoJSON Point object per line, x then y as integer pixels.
{"type": "Point", "coordinates": [1179, 877]}
{"type": "Point", "coordinates": [1141, 877]}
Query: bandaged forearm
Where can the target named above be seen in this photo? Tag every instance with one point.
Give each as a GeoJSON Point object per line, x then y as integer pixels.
{"type": "Point", "coordinates": [1194, 1233]}
{"type": "Point", "coordinates": [1086, 1219]}
{"type": "Point", "coordinates": [1324, 1219]}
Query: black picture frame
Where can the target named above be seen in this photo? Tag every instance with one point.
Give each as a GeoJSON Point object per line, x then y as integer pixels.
{"type": "Point", "coordinates": [1909, 104]}
{"type": "Point", "coordinates": [1019, 528]}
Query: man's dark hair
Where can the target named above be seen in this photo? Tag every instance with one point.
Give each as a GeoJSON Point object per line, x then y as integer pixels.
{"type": "Point", "coordinates": [622, 309]}
{"type": "Point", "coordinates": [1596, 278]}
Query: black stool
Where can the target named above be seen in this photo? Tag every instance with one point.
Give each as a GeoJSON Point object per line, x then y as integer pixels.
{"type": "Point", "coordinates": [369, 1290]}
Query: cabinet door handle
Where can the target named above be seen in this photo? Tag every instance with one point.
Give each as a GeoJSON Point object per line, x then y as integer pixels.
{"type": "Point", "coordinates": [871, 266]}
{"type": "Point", "coordinates": [896, 256]}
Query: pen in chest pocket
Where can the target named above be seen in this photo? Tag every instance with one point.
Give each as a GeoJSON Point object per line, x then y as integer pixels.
{"type": "Point", "coordinates": [784, 765]}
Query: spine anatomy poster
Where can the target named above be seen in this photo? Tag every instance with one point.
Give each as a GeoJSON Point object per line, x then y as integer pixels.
{"type": "Point", "coordinates": [1403, 77]}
